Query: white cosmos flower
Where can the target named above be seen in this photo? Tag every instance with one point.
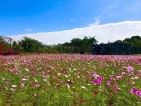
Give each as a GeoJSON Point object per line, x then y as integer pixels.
{"type": "Point", "coordinates": [27, 70]}
{"type": "Point", "coordinates": [59, 74]}
{"type": "Point", "coordinates": [123, 85]}
{"type": "Point", "coordinates": [83, 87]}
{"type": "Point", "coordinates": [68, 86]}
{"type": "Point", "coordinates": [3, 78]}
{"type": "Point", "coordinates": [88, 84]}
{"type": "Point", "coordinates": [24, 79]}
{"type": "Point", "coordinates": [14, 86]}
{"type": "Point", "coordinates": [35, 80]}
{"type": "Point", "coordinates": [132, 82]}
{"type": "Point", "coordinates": [136, 77]}
{"type": "Point", "coordinates": [12, 89]}
{"type": "Point", "coordinates": [45, 79]}
{"type": "Point", "coordinates": [66, 75]}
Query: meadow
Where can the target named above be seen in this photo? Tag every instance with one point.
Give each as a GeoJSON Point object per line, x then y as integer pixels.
{"type": "Point", "coordinates": [70, 80]}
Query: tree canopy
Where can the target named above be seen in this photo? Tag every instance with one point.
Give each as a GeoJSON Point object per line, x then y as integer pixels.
{"type": "Point", "coordinates": [76, 45]}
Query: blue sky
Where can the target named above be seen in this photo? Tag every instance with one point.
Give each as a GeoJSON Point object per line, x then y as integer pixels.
{"type": "Point", "coordinates": [33, 16]}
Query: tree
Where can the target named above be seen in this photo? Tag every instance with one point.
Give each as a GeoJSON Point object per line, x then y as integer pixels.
{"type": "Point", "coordinates": [135, 42]}
{"type": "Point", "coordinates": [32, 45]}
{"type": "Point", "coordinates": [76, 42]}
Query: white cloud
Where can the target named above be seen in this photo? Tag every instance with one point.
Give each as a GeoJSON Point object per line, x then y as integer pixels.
{"type": "Point", "coordinates": [97, 22]}
{"type": "Point", "coordinates": [103, 33]}
{"type": "Point", "coordinates": [29, 29]}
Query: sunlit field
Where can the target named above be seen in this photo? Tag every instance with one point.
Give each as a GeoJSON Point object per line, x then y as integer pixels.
{"type": "Point", "coordinates": [70, 80]}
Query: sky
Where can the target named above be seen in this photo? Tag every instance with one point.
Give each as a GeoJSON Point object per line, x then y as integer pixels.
{"type": "Point", "coordinates": [33, 16]}
{"type": "Point", "coordinates": [103, 33]}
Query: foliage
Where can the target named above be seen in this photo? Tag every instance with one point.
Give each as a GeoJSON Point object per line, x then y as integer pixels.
{"type": "Point", "coordinates": [31, 45]}
{"type": "Point", "coordinates": [3, 42]}
{"type": "Point", "coordinates": [135, 42]}
{"type": "Point", "coordinates": [81, 46]}
{"type": "Point", "coordinates": [76, 45]}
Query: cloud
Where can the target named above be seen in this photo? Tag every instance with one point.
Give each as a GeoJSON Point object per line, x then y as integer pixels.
{"type": "Point", "coordinates": [102, 33]}
{"type": "Point", "coordinates": [97, 22]}
{"type": "Point", "coordinates": [29, 29]}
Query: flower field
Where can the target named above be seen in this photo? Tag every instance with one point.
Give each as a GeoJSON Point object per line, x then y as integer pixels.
{"type": "Point", "coordinates": [70, 80]}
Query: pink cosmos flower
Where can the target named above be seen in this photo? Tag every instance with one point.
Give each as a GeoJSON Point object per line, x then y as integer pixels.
{"type": "Point", "coordinates": [43, 74]}
{"type": "Point", "coordinates": [59, 83]}
{"type": "Point", "coordinates": [34, 72]}
{"type": "Point", "coordinates": [108, 83]}
{"type": "Point", "coordinates": [21, 84]}
{"type": "Point", "coordinates": [95, 75]}
{"type": "Point", "coordinates": [123, 73]}
{"type": "Point", "coordinates": [35, 84]}
{"type": "Point", "coordinates": [7, 82]}
{"type": "Point", "coordinates": [138, 93]}
{"type": "Point", "coordinates": [139, 71]}
{"type": "Point", "coordinates": [133, 90]}
{"type": "Point", "coordinates": [97, 82]}
{"type": "Point", "coordinates": [76, 95]}
{"type": "Point", "coordinates": [114, 91]}
{"type": "Point", "coordinates": [98, 79]}
{"type": "Point", "coordinates": [116, 86]}
{"type": "Point", "coordinates": [130, 68]}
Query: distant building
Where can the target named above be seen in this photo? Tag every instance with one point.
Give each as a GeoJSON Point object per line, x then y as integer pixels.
{"type": "Point", "coordinates": [111, 49]}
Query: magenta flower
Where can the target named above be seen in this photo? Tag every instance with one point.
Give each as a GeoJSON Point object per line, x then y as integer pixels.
{"type": "Point", "coordinates": [21, 84]}
{"type": "Point", "coordinates": [133, 90]}
{"type": "Point", "coordinates": [7, 82]}
{"type": "Point", "coordinates": [115, 91]}
{"type": "Point", "coordinates": [95, 75]}
{"type": "Point", "coordinates": [138, 93]}
{"type": "Point", "coordinates": [116, 86]}
{"type": "Point", "coordinates": [98, 79]}
{"type": "Point", "coordinates": [108, 83]}
{"type": "Point", "coordinates": [97, 82]}
{"type": "Point", "coordinates": [43, 74]}
{"type": "Point", "coordinates": [34, 72]}
{"type": "Point", "coordinates": [59, 83]}
{"type": "Point", "coordinates": [37, 85]}
{"type": "Point", "coordinates": [130, 68]}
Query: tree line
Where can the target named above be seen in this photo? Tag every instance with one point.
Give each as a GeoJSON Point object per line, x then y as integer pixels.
{"type": "Point", "coordinates": [135, 44]}
{"type": "Point", "coordinates": [76, 45]}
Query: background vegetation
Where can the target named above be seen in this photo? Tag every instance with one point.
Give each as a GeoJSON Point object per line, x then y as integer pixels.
{"type": "Point", "coordinates": [76, 45]}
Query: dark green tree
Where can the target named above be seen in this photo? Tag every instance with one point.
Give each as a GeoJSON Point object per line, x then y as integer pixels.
{"type": "Point", "coordinates": [135, 42]}
{"type": "Point", "coordinates": [32, 45]}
